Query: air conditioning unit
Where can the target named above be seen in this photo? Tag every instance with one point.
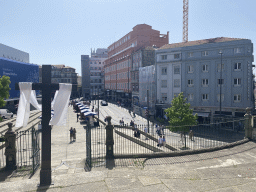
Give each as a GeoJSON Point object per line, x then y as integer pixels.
{"type": "Point", "coordinates": [161, 102]}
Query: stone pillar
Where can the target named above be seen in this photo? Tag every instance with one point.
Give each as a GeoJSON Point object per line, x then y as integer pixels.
{"type": "Point", "coordinates": [248, 123]}
{"type": "Point", "coordinates": [109, 143]}
{"type": "Point", "coordinates": [10, 148]}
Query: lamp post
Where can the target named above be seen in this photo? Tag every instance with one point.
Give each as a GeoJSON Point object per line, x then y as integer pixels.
{"type": "Point", "coordinates": [220, 78]}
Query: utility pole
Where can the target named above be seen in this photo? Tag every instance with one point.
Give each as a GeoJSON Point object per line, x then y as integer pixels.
{"type": "Point", "coordinates": [220, 78]}
{"type": "Point", "coordinates": [148, 109]}
{"type": "Point", "coordinates": [98, 107]}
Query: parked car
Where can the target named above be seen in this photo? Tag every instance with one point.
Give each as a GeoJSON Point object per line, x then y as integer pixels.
{"type": "Point", "coordinates": [104, 103]}
{"type": "Point", "coordinates": [5, 113]}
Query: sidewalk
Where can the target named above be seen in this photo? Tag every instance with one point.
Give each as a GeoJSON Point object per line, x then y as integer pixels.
{"type": "Point", "coordinates": [226, 170]}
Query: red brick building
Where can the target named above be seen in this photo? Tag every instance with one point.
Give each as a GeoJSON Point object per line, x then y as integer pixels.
{"type": "Point", "coordinates": [119, 63]}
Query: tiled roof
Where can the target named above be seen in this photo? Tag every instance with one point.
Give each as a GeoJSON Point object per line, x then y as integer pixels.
{"type": "Point", "coordinates": [199, 42]}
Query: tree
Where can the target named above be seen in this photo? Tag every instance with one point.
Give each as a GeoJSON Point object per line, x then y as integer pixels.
{"type": "Point", "coordinates": [180, 116]}
{"type": "Point", "coordinates": [4, 90]}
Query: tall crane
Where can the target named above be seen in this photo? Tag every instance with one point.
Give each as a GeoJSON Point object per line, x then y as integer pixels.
{"type": "Point", "coordinates": [185, 20]}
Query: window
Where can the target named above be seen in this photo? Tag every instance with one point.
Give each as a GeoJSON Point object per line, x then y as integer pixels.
{"type": "Point", "coordinates": [205, 97]}
{"type": "Point", "coordinates": [222, 68]}
{"type": "Point", "coordinates": [176, 70]}
{"type": "Point", "coordinates": [164, 83]}
{"type": "Point", "coordinates": [220, 81]}
{"type": "Point", "coordinates": [237, 98]}
{"type": "Point", "coordinates": [190, 69]}
{"type": "Point", "coordinates": [190, 83]}
{"type": "Point", "coordinates": [164, 96]}
{"type": "Point", "coordinates": [218, 97]}
{"type": "Point", "coordinates": [205, 82]}
{"type": "Point", "coordinates": [164, 70]}
{"type": "Point", "coordinates": [237, 50]}
{"type": "Point", "coordinates": [190, 54]}
{"type": "Point", "coordinates": [176, 56]}
{"type": "Point", "coordinates": [204, 53]}
{"type": "Point", "coordinates": [237, 67]}
{"type": "Point", "coordinates": [237, 82]}
{"type": "Point", "coordinates": [163, 57]}
{"type": "Point", "coordinates": [190, 96]}
{"type": "Point", "coordinates": [205, 68]}
{"type": "Point", "coordinates": [176, 82]}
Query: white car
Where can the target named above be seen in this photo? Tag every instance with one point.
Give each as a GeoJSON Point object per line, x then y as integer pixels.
{"type": "Point", "coordinates": [5, 113]}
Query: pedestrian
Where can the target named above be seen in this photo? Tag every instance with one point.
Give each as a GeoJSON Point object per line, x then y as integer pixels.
{"type": "Point", "coordinates": [135, 133]}
{"type": "Point", "coordinates": [160, 141]}
{"type": "Point", "coordinates": [181, 137]}
{"type": "Point", "coordinates": [123, 121]}
{"type": "Point", "coordinates": [77, 117]}
{"type": "Point", "coordinates": [138, 133]}
{"type": "Point", "coordinates": [158, 130]}
{"type": "Point", "coordinates": [131, 123]}
{"type": "Point", "coordinates": [164, 141]}
{"type": "Point", "coordinates": [135, 127]}
{"type": "Point", "coordinates": [146, 131]}
{"type": "Point", "coordinates": [71, 134]}
{"type": "Point", "coordinates": [74, 134]}
{"type": "Point", "coordinates": [162, 130]}
{"type": "Point", "coordinates": [191, 135]}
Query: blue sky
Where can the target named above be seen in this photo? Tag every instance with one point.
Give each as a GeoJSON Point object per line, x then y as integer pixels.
{"type": "Point", "coordinates": [60, 31]}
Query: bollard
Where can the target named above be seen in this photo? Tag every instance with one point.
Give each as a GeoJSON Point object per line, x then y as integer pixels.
{"type": "Point", "coordinates": [109, 143]}
{"type": "Point", "coordinates": [10, 148]}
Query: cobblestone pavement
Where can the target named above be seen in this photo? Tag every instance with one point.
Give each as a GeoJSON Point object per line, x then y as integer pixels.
{"type": "Point", "coordinates": [225, 170]}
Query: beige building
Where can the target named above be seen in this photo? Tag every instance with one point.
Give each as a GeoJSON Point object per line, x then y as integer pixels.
{"type": "Point", "coordinates": [63, 74]}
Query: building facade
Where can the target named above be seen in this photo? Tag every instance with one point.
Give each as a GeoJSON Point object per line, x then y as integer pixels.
{"type": "Point", "coordinates": [119, 67]}
{"type": "Point", "coordinates": [13, 54]}
{"type": "Point", "coordinates": [63, 74]}
{"type": "Point", "coordinates": [140, 59]}
{"type": "Point", "coordinates": [93, 73]}
{"type": "Point", "coordinates": [207, 72]}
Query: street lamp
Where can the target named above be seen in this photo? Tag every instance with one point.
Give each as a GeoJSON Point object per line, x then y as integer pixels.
{"type": "Point", "coordinates": [220, 77]}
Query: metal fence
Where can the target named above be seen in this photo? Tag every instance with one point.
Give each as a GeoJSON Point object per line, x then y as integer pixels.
{"type": "Point", "coordinates": [28, 149]}
{"type": "Point", "coordinates": [133, 141]}
{"type": "Point", "coordinates": [28, 145]}
{"type": "Point", "coordinates": [95, 146]}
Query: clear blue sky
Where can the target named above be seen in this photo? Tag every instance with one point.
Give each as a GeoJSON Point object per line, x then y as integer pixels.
{"type": "Point", "coordinates": [60, 31]}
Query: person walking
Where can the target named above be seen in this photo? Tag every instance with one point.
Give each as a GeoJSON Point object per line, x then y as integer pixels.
{"type": "Point", "coordinates": [158, 130]}
{"type": "Point", "coordinates": [74, 134]}
{"type": "Point", "coordinates": [146, 131]}
{"type": "Point", "coordinates": [138, 133]}
{"type": "Point", "coordinates": [71, 134]}
{"type": "Point", "coordinates": [164, 141]}
{"type": "Point", "coordinates": [160, 141]}
{"type": "Point", "coordinates": [77, 117]}
{"type": "Point", "coordinates": [191, 135]}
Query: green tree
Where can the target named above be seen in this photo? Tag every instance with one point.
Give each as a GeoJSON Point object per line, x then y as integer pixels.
{"type": "Point", "coordinates": [180, 116]}
{"type": "Point", "coordinates": [4, 90]}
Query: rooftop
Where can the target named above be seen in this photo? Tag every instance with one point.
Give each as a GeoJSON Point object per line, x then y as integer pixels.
{"type": "Point", "coordinates": [199, 42]}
